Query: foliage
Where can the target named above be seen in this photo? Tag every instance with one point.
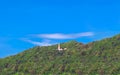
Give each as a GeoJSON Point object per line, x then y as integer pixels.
{"type": "Point", "coordinates": [95, 58]}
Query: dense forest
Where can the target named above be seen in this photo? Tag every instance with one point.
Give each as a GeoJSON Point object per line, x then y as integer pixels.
{"type": "Point", "coordinates": [95, 58]}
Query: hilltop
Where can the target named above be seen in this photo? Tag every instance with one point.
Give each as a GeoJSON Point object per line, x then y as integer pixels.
{"type": "Point", "coordinates": [95, 58]}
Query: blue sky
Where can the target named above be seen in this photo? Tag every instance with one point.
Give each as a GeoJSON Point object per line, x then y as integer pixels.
{"type": "Point", "coordinates": [27, 23]}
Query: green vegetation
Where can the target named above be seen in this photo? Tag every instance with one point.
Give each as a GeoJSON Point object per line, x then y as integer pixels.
{"type": "Point", "coordinates": [95, 58]}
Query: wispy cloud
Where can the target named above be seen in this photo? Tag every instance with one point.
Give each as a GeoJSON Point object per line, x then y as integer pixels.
{"type": "Point", "coordinates": [53, 37]}
{"type": "Point", "coordinates": [64, 36]}
{"type": "Point", "coordinates": [43, 43]}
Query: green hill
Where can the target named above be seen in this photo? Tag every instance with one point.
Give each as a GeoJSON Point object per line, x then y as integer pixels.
{"type": "Point", "coordinates": [95, 58]}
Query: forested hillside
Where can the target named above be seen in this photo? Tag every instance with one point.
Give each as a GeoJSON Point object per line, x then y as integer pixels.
{"type": "Point", "coordinates": [95, 58]}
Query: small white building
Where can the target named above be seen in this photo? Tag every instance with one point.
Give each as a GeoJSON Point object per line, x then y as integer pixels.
{"type": "Point", "coordinates": [60, 49]}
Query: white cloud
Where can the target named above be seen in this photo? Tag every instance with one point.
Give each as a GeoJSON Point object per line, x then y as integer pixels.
{"type": "Point", "coordinates": [56, 36]}
{"type": "Point", "coordinates": [65, 36]}
{"type": "Point", "coordinates": [44, 43]}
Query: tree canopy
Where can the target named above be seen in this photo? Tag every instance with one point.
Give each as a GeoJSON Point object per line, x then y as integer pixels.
{"type": "Point", "coordinates": [95, 58]}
